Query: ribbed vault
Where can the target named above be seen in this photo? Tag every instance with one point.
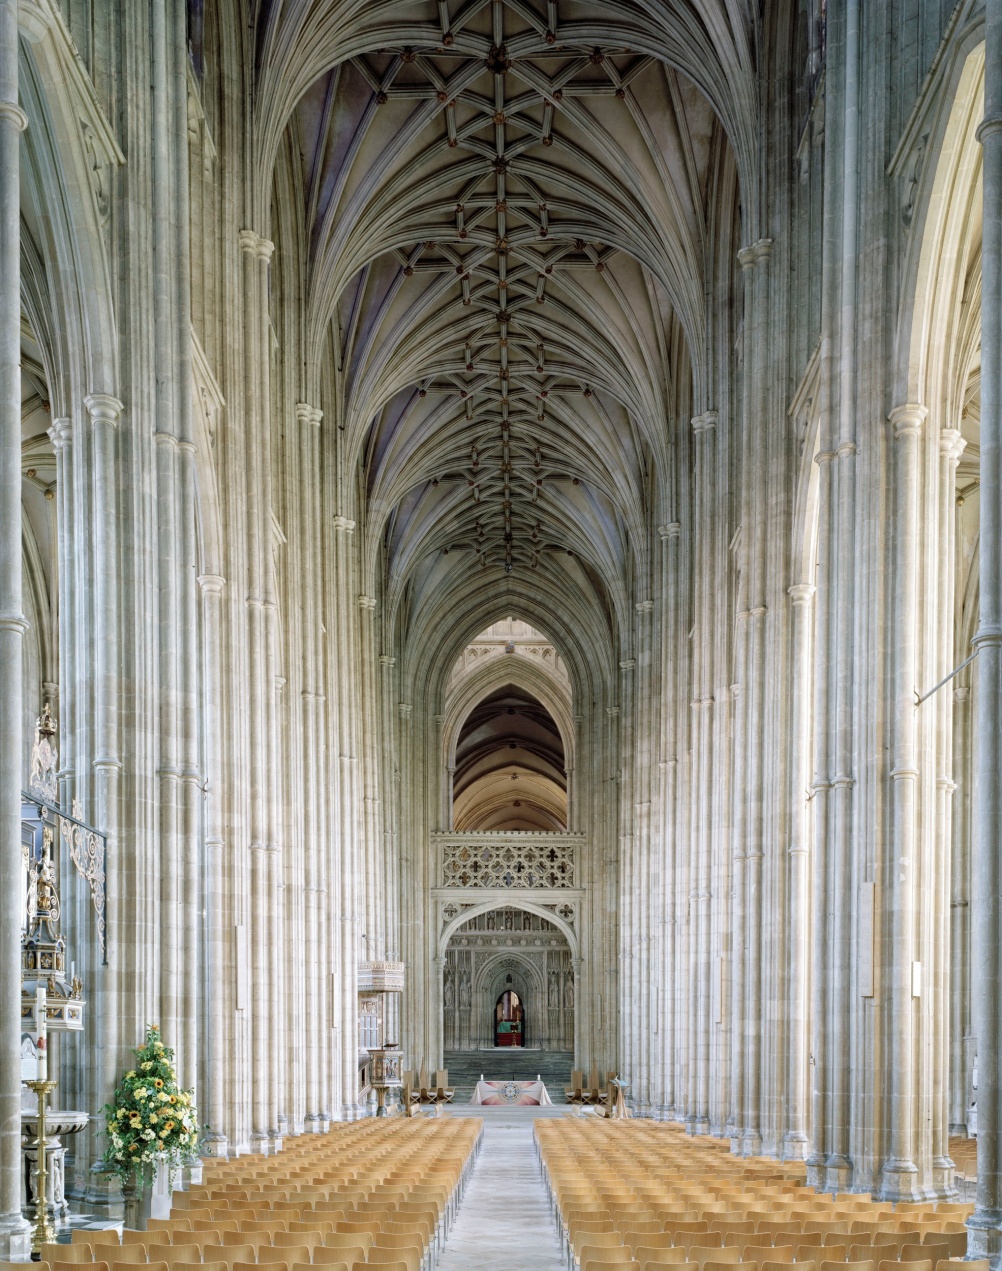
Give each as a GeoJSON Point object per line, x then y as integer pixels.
{"type": "Point", "coordinates": [506, 218]}
{"type": "Point", "coordinates": [509, 772]}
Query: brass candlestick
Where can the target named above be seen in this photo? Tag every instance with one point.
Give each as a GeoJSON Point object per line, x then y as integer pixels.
{"type": "Point", "coordinates": [42, 1231]}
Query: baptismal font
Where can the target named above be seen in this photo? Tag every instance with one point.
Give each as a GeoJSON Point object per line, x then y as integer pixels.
{"type": "Point", "coordinates": [51, 999]}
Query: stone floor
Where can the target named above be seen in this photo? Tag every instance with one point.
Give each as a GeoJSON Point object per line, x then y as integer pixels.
{"type": "Point", "coordinates": [504, 1220]}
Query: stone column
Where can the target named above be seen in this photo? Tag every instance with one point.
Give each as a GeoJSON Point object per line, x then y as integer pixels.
{"type": "Point", "coordinates": [348, 821]}
{"type": "Point", "coordinates": [701, 780]}
{"type": "Point", "coordinates": [795, 1138]}
{"type": "Point", "coordinates": [820, 813]}
{"type": "Point", "coordinates": [671, 602]}
{"type": "Point", "coordinates": [900, 1171]}
{"type": "Point", "coordinates": [960, 917]}
{"type": "Point", "coordinates": [951, 446]}
{"type": "Point", "coordinates": [985, 1224]}
{"type": "Point", "coordinates": [256, 255]}
{"type": "Point", "coordinates": [754, 262]}
{"type": "Point", "coordinates": [14, 1232]}
{"type": "Point", "coordinates": [218, 978]}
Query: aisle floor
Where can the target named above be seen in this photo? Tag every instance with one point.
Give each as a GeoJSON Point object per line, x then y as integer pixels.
{"type": "Point", "coordinates": [504, 1221]}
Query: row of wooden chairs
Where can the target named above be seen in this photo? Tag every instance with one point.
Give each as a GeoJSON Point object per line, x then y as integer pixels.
{"type": "Point", "coordinates": [419, 1088]}
{"type": "Point", "coordinates": [372, 1193]}
{"type": "Point", "coordinates": [645, 1192]}
{"type": "Point", "coordinates": [594, 1090]}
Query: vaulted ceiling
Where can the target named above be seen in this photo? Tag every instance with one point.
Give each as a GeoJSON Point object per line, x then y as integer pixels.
{"type": "Point", "coordinates": [505, 203]}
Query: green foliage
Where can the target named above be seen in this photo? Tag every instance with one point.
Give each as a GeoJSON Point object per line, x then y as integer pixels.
{"type": "Point", "coordinates": [151, 1120]}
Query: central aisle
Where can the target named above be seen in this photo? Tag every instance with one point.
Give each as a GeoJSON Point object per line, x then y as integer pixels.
{"type": "Point", "coordinates": [504, 1220]}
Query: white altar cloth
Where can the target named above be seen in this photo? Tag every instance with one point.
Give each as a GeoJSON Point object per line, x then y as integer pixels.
{"type": "Point", "coordinates": [511, 1094]}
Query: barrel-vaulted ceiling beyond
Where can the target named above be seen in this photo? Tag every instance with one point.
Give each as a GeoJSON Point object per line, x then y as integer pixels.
{"type": "Point", "coordinates": [505, 206]}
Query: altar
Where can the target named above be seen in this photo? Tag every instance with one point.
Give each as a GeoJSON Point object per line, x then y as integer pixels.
{"type": "Point", "coordinates": [512, 1094]}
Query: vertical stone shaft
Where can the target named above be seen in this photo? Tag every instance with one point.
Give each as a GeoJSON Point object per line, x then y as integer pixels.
{"type": "Point", "coordinates": [668, 964]}
{"type": "Point", "coordinates": [798, 1110]}
{"type": "Point", "coordinates": [753, 261]}
{"type": "Point", "coordinates": [701, 784]}
{"type": "Point", "coordinates": [985, 1224]}
{"type": "Point", "coordinates": [900, 1169]}
{"type": "Point", "coordinates": [309, 920]}
{"type": "Point", "coordinates": [347, 915]}
{"type": "Point", "coordinates": [951, 446]}
{"type": "Point", "coordinates": [217, 977]}
{"type": "Point", "coordinates": [13, 1229]}
{"type": "Point", "coordinates": [256, 253]}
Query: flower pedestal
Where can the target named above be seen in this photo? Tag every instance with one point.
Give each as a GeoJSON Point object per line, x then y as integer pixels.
{"type": "Point", "coordinates": [152, 1132]}
{"type": "Point", "coordinates": [147, 1194]}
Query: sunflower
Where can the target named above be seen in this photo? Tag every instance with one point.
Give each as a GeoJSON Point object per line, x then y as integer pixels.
{"type": "Point", "coordinates": [158, 1083]}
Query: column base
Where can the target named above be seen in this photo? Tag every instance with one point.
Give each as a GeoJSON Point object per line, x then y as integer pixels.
{"type": "Point", "coordinates": [984, 1236]}
{"type": "Point", "coordinates": [899, 1181]}
{"type": "Point", "coordinates": [274, 1141]}
{"type": "Point", "coordinates": [837, 1174]}
{"type": "Point", "coordinates": [283, 1126]}
{"type": "Point", "coordinates": [943, 1184]}
{"type": "Point", "coordinates": [796, 1145]}
{"type": "Point", "coordinates": [15, 1238]}
{"type": "Point", "coordinates": [216, 1147]}
{"type": "Point", "coordinates": [815, 1163]}
{"type": "Point", "coordinates": [314, 1124]}
{"type": "Point", "coordinates": [103, 1187]}
{"type": "Point", "coordinates": [751, 1143]}
{"type": "Point", "coordinates": [698, 1125]}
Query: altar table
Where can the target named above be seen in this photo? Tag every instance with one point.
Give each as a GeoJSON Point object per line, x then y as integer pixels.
{"type": "Point", "coordinates": [511, 1093]}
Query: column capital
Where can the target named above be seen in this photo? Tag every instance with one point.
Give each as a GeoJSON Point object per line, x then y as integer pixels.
{"type": "Point", "coordinates": [211, 584]}
{"type": "Point", "coordinates": [704, 422]}
{"type": "Point", "coordinates": [254, 244]}
{"type": "Point", "coordinates": [307, 414]}
{"type": "Point", "coordinates": [672, 530]}
{"type": "Point", "coordinates": [801, 593]}
{"type": "Point", "coordinates": [907, 419]}
{"type": "Point", "coordinates": [404, 709]}
{"type": "Point", "coordinates": [990, 125]}
{"type": "Point", "coordinates": [103, 407]}
{"type": "Point", "coordinates": [61, 433]}
{"type": "Point", "coordinates": [367, 603]}
{"type": "Point", "coordinates": [11, 113]}
{"type": "Point", "coordinates": [387, 659]}
{"type": "Point", "coordinates": [628, 664]}
{"type": "Point", "coordinates": [644, 606]}
{"type": "Point", "coordinates": [344, 525]}
{"type": "Point", "coordinates": [612, 711]}
{"type": "Point", "coordinates": [760, 250]}
{"type": "Point", "coordinates": [951, 444]}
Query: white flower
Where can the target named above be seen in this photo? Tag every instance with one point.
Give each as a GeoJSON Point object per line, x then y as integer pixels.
{"type": "Point", "coordinates": [148, 1134]}
{"type": "Point", "coordinates": [141, 1092]}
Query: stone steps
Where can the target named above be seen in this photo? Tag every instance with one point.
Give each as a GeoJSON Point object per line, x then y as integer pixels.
{"type": "Point", "coordinates": [465, 1067]}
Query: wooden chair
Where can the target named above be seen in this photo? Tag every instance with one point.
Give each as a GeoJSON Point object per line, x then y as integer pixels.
{"type": "Point", "coordinates": [572, 1093]}
{"type": "Point", "coordinates": [726, 1266]}
{"type": "Point", "coordinates": [615, 1255]}
{"type": "Point", "coordinates": [442, 1091]}
{"type": "Point", "coordinates": [228, 1253]}
{"type": "Point", "coordinates": [719, 1256]}
{"type": "Point", "coordinates": [81, 1252]}
{"type": "Point", "coordinates": [60, 1266]}
{"type": "Point", "coordinates": [348, 1255]}
{"type": "Point", "coordinates": [653, 1257]}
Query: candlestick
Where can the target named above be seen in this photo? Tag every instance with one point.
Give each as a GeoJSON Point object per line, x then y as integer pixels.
{"type": "Point", "coordinates": [42, 1231]}
{"type": "Point", "coordinates": [41, 1044]}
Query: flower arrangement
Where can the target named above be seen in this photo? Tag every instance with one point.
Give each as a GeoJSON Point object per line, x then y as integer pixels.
{"type": "Point", "coordinates": [150, 1120]}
